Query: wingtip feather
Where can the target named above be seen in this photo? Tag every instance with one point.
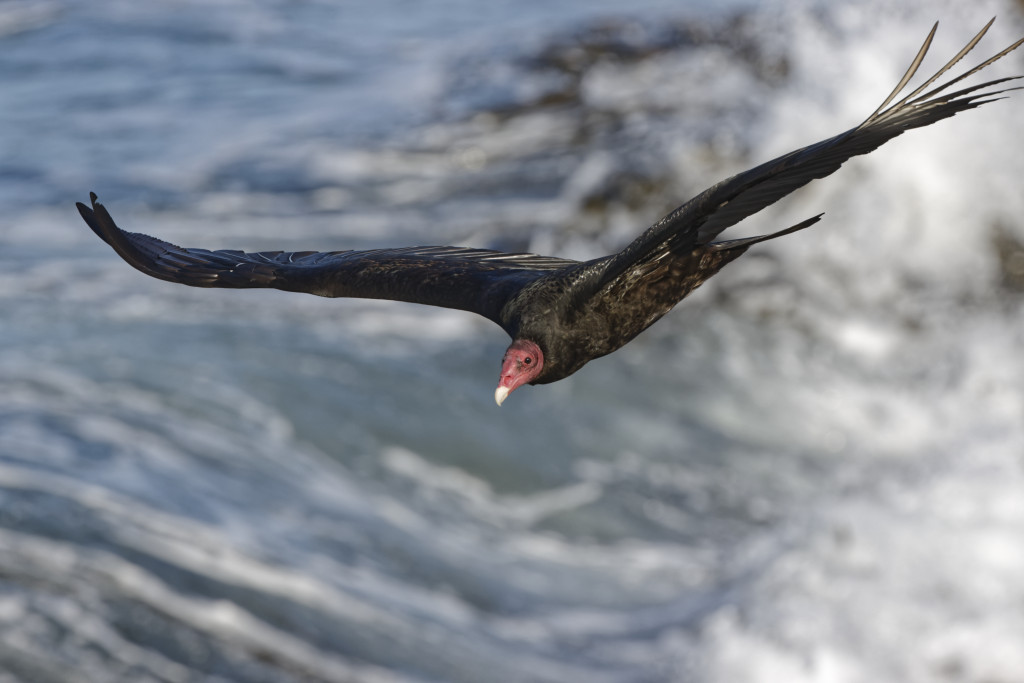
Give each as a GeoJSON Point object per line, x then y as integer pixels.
{"type": "Point", "coordinates": [89, 215]}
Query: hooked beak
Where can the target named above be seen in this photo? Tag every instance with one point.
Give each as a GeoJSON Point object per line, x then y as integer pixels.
{"type": "Point", "coordinates": [507, 383]}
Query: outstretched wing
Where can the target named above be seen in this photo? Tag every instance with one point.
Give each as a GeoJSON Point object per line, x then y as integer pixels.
{"type": "Point", "coordinates": [702, 218]}
{"type": "Point", "coordinates": [476, 280]}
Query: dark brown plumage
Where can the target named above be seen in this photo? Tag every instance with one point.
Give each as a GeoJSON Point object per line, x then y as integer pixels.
{"type": "Point", "coordinates": [562, 313]}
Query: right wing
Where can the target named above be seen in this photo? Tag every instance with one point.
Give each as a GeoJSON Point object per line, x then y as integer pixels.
{"type": "Point", "coordinates": [476, 280]}
{"type": "Point", "coordinates": [701, 219]}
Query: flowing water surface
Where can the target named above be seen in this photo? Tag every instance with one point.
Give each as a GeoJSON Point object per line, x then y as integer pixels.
{"type": "Point", "coordinates": [810, 471]}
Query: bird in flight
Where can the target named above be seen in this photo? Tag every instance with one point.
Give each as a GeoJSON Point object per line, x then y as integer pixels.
{"type": "Point", "coordinates": [562, 313]}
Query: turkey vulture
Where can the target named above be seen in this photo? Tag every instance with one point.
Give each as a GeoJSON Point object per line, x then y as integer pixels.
{"type": "Point", "coordinates": [561, 313]}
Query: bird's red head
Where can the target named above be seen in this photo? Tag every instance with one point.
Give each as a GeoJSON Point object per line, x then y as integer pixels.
{"type": "Point", "coordinates": [521, 365]}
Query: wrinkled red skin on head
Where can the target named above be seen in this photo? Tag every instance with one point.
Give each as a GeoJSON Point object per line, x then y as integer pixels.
{"type": "Point", "coordinates": [521, 365]}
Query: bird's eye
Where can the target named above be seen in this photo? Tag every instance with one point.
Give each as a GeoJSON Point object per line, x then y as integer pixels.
{"type": "Point", "coordinates": [527, 360]}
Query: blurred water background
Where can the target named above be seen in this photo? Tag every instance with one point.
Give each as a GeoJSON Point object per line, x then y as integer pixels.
{"type": "Point", "coordinates": [810, 471]}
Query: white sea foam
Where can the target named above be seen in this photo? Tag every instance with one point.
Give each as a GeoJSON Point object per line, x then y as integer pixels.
{"type": "Point", "coordinates": [808, 472]}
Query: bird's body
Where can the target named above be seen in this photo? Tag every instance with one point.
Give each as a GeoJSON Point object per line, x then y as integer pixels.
{"type": "Point", "coordinates": [562, 313]}
{"type": "Point", "coordinates": [574, 333]}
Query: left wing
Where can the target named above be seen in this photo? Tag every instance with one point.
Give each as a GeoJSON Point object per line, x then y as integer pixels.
{"type": "Point", "coordinates": [476, 280]}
